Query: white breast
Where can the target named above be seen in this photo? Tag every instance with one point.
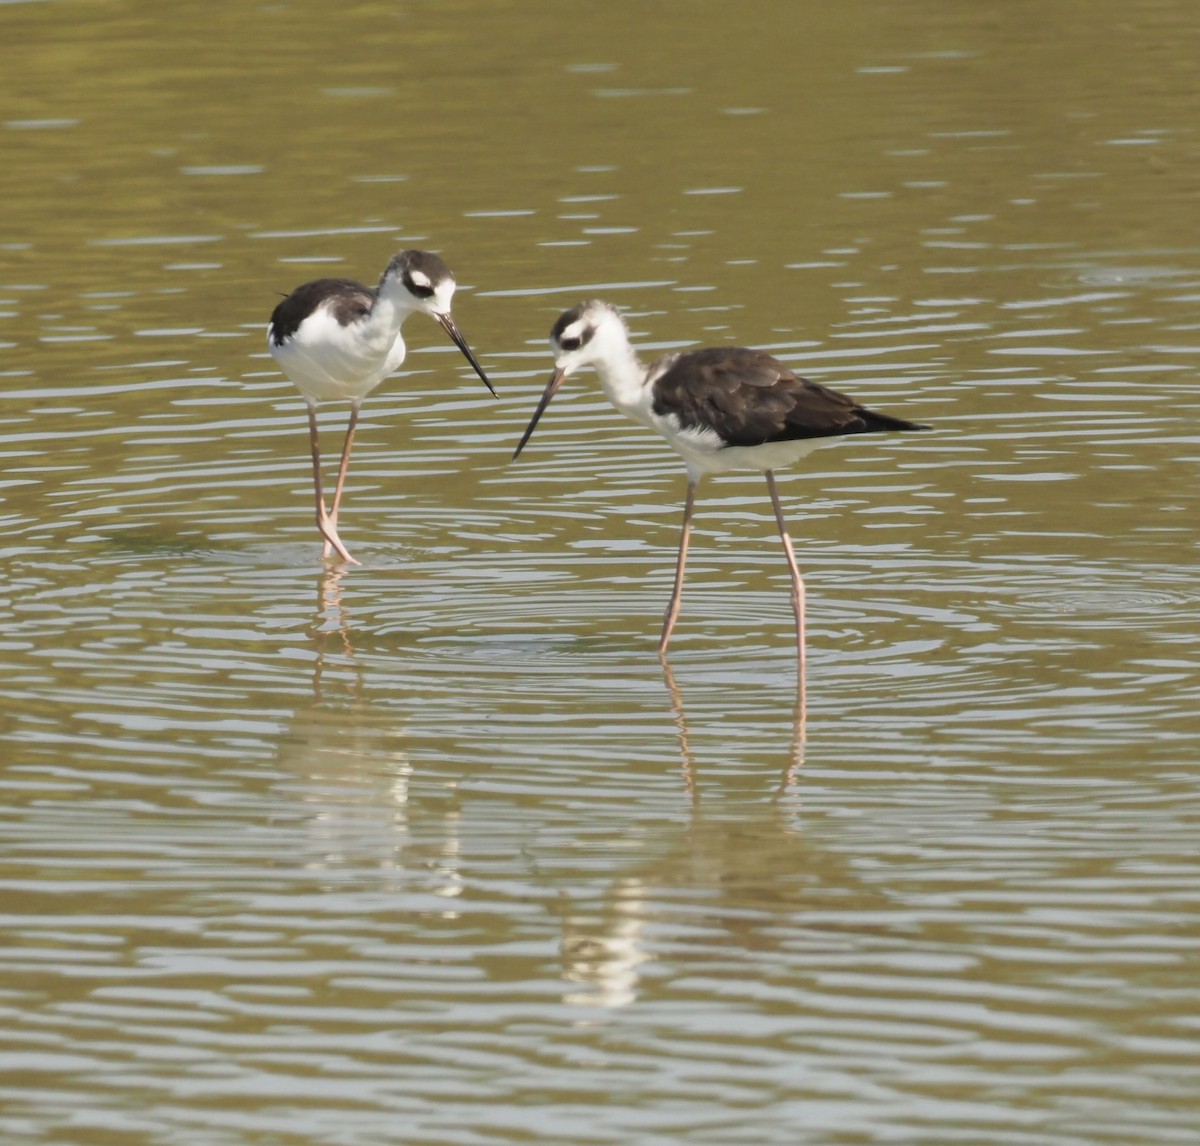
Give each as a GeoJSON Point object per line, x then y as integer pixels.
{"type": "Point", "coordinates": [330, 362]}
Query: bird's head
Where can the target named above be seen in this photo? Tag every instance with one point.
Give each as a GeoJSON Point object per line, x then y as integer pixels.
{"type": "Point", "coordinates": [420, 282]}
{"type": "Point", "coordinates": [587, 334]}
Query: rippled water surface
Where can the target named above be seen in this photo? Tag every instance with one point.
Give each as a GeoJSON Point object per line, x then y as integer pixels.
{"type": "Point", "coordinates": [433, 850]}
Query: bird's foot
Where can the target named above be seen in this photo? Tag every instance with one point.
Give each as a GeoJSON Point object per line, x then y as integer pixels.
{"type": "Point", "coordinates": [333, 543]}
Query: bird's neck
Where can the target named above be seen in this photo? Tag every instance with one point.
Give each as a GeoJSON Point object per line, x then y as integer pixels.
{"type": "Point", "coordinates": [625, 380]}
{"type": "Point", "coordinates": [390, 308]}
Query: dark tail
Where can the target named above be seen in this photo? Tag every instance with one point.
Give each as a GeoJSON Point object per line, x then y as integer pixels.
{"type": "Point", "coordinates": [874, 422]}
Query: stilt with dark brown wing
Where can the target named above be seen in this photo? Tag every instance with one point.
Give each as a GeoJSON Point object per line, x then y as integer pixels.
{"type": "Point", "coordinates": [721, 408]}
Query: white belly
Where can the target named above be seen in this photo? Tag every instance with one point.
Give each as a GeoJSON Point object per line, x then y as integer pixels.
{"type": "Point", "coordinates": [705, 453]}
{"type": "Point", "coordinates": [329, 362]}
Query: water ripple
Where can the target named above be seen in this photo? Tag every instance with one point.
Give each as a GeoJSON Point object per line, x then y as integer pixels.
{"type": "Point", "coordinates": [434, 850]}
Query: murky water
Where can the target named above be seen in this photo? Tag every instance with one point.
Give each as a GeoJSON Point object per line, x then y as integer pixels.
{"type": "Point", "coordinates": [432, 850]}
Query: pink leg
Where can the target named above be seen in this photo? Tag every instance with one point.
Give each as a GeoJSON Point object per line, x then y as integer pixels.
{"type": "Point", "coordinates": [325, 523]}
{"type": "Point", "coordinates": [343, 466]}
{"type": "Point", "coordinates": [797, 580]}
{"type": "Point", "coordinates": [672, 613]}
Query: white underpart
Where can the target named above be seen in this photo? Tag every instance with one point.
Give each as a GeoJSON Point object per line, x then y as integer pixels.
{"type": "Point", "coordinates": [705, 452]}
{"type": "Point", "coordinates": [329, 362]}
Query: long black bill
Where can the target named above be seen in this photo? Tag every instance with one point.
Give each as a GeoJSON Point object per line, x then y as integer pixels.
{"type": "Point", "coordinates": [556, 380]}
{"type": "Point", "coordinates": [451, 328]}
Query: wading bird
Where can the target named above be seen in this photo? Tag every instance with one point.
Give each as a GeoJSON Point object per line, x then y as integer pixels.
{"type": "Point", "coordinates": [721, 408]}
{"type": "Point", "coordinates": [337, 340]}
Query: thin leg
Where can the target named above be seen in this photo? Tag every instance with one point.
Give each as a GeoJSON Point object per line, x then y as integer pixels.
{"type": "Point", "coordinates": [343, 466]}
{"type": "Point", "coordinates": [672, 613]}
{"type": "Point", "coordinates": [345, 462]}
{"type": "Point", "coordinates": [797, 580]}
{"type": "Point", "coordinates": [325, 523]}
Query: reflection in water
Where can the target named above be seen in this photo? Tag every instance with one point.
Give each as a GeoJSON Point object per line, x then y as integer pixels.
{"type": "Point", "coordinates": [795, 758]}
{"type": "Point", "coordinates": [351, 755]}
{"type": "Point", "coordinates": [604, 949]}
{"type": "Point", "coordinates": [603, 952]}
{"type": "Point", "coordinates": [230, 827]}
{"type": "Point", "coordinates": [330, 621]}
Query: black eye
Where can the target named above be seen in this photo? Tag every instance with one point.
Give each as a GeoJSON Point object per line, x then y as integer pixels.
{"type": "Point", "coordinates": [570, 343]}
{"type": "Point", "coordinates": [421, 290]}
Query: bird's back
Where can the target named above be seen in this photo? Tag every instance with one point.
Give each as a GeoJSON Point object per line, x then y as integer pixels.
{"type": "Point", "coordinates": [323, 339]}
{"type": "Point", "coordinates": [346, 300]}
{"type": "Point", "coordinates": [748, 398]}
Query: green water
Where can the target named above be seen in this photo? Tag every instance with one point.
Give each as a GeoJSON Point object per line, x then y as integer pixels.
{"type": "Point", "coordinates": [432, 850]}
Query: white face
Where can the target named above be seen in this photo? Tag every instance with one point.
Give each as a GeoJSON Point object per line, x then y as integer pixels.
{"type": "Point", "coordinates": [596, 334]}
{"type": "Point", "coordinates": [439, 301]}
{"type": "Point", "coordinates": [570, 348]}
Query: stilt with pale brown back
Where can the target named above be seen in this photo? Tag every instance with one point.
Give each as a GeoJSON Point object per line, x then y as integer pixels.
{"type": "Point", "coordinates": [337, 340]}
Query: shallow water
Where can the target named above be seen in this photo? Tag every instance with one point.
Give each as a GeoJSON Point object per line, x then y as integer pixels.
{"type": "Point", "coordinates": [433, 850]}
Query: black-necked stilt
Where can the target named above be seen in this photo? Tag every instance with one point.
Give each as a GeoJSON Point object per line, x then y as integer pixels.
{"type": "Point", "coordinates": [337, 340]}
{"type": "Point", "coordinates": [721, 408]}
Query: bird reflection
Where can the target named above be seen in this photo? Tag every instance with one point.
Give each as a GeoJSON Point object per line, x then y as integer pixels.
{"type": "Point", "coordinates": [795, 759]}
{"type": "Point", "coordinates": [602, 952]}
{"type": "Point", "coordinates": [351, 757]}
{"type": "Point", "coordinates": [330, 623]}
{"type": "Point", "coordinates": [758, 854]}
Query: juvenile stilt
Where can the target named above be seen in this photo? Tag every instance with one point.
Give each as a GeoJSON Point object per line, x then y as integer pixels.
{"type": "Point", "coordinates": [721, 408]}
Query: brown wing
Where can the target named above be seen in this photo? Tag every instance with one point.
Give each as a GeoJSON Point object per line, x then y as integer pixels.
{"type": "Point", "coordinates": [748, 397]}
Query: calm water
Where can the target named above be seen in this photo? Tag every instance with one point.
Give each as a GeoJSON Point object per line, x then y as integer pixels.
{"type": "Point", "coordinates": [432, 850]}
